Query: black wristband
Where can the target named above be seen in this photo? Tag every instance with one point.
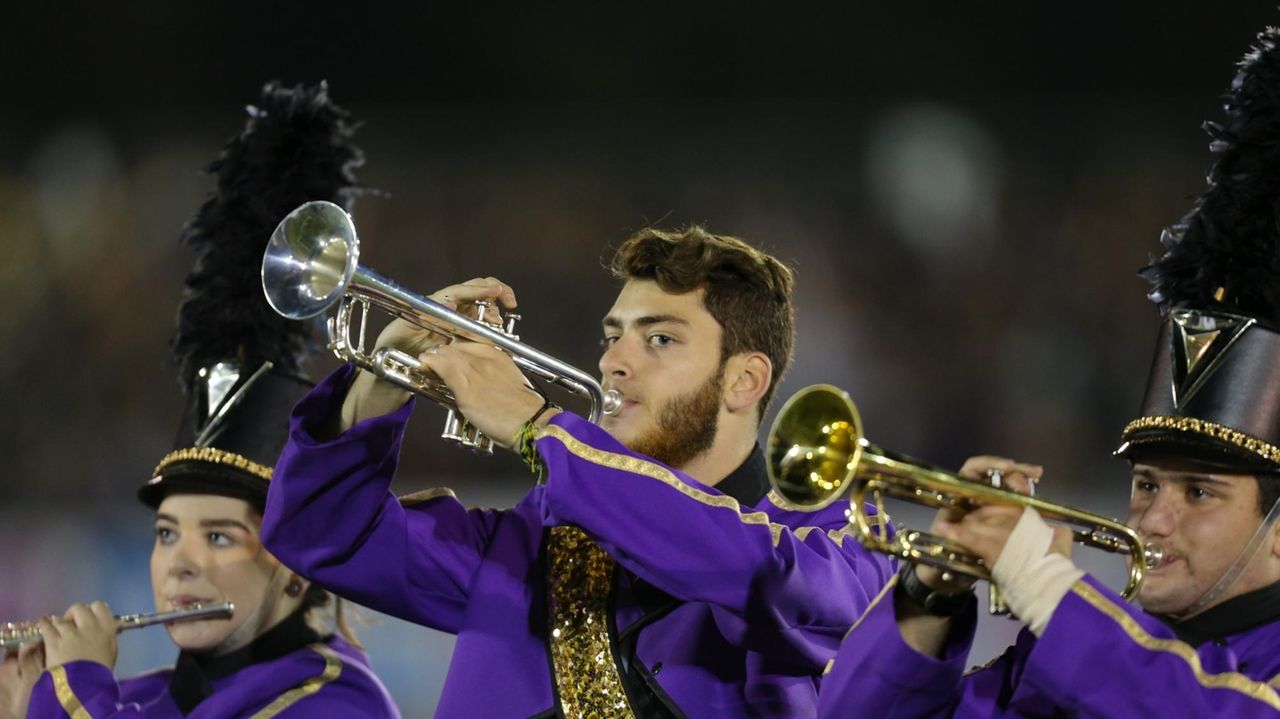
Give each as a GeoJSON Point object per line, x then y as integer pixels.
{"type": "Point", "coordinates": [939, 604]}
{"type": "Point", "coordinates": [546, 405]}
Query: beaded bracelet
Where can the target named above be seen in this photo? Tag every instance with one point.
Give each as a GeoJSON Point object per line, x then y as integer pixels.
{"type": "Point", "coordinates": [525, 441]}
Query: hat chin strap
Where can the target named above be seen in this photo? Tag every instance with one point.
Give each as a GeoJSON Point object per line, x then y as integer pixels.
{"type": "Point", "coordinates": [1246, 555]}
{"type": "Point", "coordinates": [248, 629]}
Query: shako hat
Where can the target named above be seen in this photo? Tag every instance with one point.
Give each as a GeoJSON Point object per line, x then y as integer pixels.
{"type": "Point", "coordinates": [1213, 395]}
{"type": "Point", "coordinates": [240, 362]}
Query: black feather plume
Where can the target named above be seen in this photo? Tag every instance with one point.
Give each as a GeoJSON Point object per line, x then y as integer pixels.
{"type": "Point", "coordinates": [1228, 246]}
{"type": "Point", "coordinates": [295, 147]}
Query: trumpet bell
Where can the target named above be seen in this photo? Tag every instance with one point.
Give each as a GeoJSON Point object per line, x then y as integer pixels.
{"type": "Point", "coordinates": [310, 260]}
{"type": "Point", "coordinates": [815, 446]}
{"type": "Point", "coordinates": [817, 452]}
{"type": "Point", "coordinates": [312, 263]}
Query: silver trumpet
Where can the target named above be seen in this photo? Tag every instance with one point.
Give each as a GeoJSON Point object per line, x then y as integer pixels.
{"type": "Point", "coordinates": [312, 263]}
{"type": "Point", "coordinates": [14, 635]}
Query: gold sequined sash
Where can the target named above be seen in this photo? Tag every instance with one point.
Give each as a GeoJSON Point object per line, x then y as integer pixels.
{"type": "Point", "coordinates": [579, 579]}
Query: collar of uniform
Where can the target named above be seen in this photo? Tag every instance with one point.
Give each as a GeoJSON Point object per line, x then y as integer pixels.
{"type": "Point", "coordinates": [1238, 614]}
{"type": "Point", "coordinates": [194, 674]}
{"type": "Point", "coordinates": [749, 483]}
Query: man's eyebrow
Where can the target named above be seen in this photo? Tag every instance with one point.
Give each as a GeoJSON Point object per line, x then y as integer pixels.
{"type": "Point", "coordinates": [1202, 479]}
{"type": "Point", "coordinates": [1182, 477]}
{"type": "Point", "coordinates": [612, 322]}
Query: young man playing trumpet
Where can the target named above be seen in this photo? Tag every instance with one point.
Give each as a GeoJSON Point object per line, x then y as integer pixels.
{"type": "Point", "coordinates": [652, 574]}
{"type": "Point", "coordinates": [1205, 458]}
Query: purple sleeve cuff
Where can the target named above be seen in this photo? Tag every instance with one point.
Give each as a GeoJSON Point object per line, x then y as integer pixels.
{"type": "Point", "coordinates": [880, 675]}
{"type": "Point", "coordinates": [325, 400]}
{"type": "Point", "coordinates": [76, 689]}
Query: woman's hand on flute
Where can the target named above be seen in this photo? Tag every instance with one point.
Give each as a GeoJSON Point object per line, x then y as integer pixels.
{"type": "Point", "coordinates": [85, 632]}
{"type": "Point", "coordinates": [19, 670]}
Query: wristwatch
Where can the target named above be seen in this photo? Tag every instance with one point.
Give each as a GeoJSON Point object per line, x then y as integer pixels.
{"type": "Point", "coordinates": [939, 604]}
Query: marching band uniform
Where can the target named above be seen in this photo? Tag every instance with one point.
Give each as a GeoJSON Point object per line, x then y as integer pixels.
{"type": "Point", "coordinates": [288, 672]}
{"type": "Point", "coordinates": [690, 601]}
{"type": "Point", "coordinates": [1211, 400]}
{"type": "Point", "coordinates": [240, 369]}
{"type": "Point", "coordinates": [1099, 656]}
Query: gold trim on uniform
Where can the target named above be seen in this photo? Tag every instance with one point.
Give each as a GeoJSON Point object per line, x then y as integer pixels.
{"type": "Point", "coordinates": [1205, 428]}
{"type": "Point", "coordinates": [579, 579]}
{"type": "Point", "coordinates": [332, 669]}
{"type": "Point", "coordinates": [1227, 680]}
{"type": "Point", "coordinates": [214, 456]}
{"type": "Point", "coordinates": [653, 470]}
{"type": "Point", "coordinates": [66, 696]}
{"type": "Point", "coordinates": [782, 502]}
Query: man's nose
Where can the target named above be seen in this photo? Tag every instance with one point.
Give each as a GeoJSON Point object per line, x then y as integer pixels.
{"type": "Point", "coordinates": [1158, 517]}
{"type": "Point", "coordinates": [614, 363]}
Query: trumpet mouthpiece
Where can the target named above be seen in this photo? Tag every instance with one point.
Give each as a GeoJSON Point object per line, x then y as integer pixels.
{"type": "Point", "coordinates": [1152, 555]}
{"type": "Point", "coordinates": [612, 401]}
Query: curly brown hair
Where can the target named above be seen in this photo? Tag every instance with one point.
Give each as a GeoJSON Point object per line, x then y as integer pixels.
{"type": "Point", "coordinates": [748, 291]}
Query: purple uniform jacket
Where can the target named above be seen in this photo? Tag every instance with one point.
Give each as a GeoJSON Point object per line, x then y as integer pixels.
{"type": "Point", "coordinates": [329, 679]}
{"type": "Point", "coordinates": [1099, 657]}
{"type": "Point", "coordinates": [762, 595]}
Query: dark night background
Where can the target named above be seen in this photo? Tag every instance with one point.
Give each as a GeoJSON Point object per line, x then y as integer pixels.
{"type": "Point", "coordinates": [966, 193]}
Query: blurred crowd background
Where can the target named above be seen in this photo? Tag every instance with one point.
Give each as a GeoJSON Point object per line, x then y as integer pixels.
{"type": "Point", "coordinates": [966, 193]}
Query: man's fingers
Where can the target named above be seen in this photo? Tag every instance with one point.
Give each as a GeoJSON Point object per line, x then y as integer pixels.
{"type": "Point", "coordinates": [493, 288]}
{"type": "Point", "coordinates": [508, 295]}
{"type": "Point", "coordinates": [455, 295]}
{"type": "Point", "coordinates": [445, 362]}
{"type": "Point", "coordinates": [1002, 472]}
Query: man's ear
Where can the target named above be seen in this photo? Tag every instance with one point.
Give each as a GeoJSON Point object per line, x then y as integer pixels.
{"type": "Point", "coordinates": [746, 380]}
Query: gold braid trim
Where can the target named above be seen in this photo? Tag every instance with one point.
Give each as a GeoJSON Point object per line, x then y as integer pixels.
{"type": "Point", "coordinates": [332, 668]}
{"type": "Point", "coordinates": [214, 456]}
{"type": "Point", "coordinates": [1227, 680]}
{"type": "Point", "coordinates": [653, 470]}
{"type": "Point", "coordinates": [579, 582]}
{"type": "Point", "coordinates": [1205, 428]}
{"type": "Point", "coordinates": [66, 697]}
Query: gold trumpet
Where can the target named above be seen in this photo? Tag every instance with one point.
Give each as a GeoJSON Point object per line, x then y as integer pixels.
{"type": "Point", "coordinates": [14, 635]}
{"type": "Point", "coordinates": [312, 263]}
{"type": "Point", "coordinates": [817, 451]}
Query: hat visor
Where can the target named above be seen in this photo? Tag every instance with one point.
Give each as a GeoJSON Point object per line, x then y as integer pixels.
{"type": "Point", "coordinates": [1155, 444]}
{"type": "Point", "coordinates": [204, 478]}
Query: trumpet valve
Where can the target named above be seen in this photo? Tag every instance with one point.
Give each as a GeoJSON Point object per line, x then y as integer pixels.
{"type": "Point", "coordinates": [475, 440]}
{"type": "Point", "coordinates": [509, 328]}
{"type": "Point", "coordinates": [454, 428]}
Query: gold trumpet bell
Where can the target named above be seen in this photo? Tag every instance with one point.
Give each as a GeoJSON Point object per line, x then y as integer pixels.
{"type": "Point", "coordinates": [817, 452]}
{"type": "Point", "coordinates": [815, 446]}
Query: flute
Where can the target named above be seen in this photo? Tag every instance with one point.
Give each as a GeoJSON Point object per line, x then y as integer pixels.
{"type": "Point", "coordinates": [14, 635]}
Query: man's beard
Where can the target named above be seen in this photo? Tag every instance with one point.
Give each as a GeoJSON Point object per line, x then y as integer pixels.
{"type": "Point", "coordinates": [686, 425]}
